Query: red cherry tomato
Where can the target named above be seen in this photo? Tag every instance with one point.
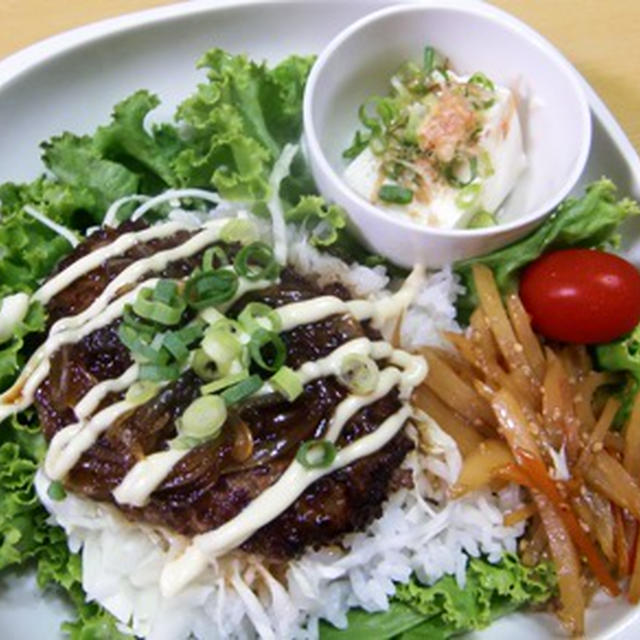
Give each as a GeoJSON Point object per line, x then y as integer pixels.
{"type": "Point", "coordinates": [581, 296]}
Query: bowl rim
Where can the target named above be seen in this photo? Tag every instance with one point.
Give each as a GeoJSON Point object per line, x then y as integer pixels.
{"type": "Point", "coordinates": [505, 20]}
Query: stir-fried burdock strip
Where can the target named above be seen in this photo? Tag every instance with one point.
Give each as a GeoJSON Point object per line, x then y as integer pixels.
{"type": "Point", "coordinates": [216, 480]}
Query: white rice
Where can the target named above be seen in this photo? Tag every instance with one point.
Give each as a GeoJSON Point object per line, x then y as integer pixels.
{"type": "Point", "coordinates": [420, 531]}
{"type": "Point", "coordinates": [432, 312]}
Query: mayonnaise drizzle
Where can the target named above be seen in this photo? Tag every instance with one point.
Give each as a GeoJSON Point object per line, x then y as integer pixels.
{"type": "Point", "coordinates": [157, 262]}
{"type": "Point", "coordinates": [61, 230]}
{"type": "Point", "coordinates": [13, 310]}
{"type": "Point", "coordinates": [23, 390]}
{"type": "Point", "coordinates": [415, 367]}
{"type": "Point", "coordinates": [146, 476]}
{"type": "Point", "coordinates": [98, 256]}
{"type": "Point", "coordinates": [72, 329]}
{"type": "Point", "coordinates": [68, 445]}
{"type": "Point", "coordinates": [316, 309]}
{"type": "Point", "coordinates": [268, 505]}
{"type": "Point", "coordinates": [348, 408]}
{"type": "Point", "coordinates": [92, 399]}
{"type": "Point", "coordinates": [404, 371]}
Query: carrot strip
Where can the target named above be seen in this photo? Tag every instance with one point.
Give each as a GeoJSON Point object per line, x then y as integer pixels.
{"type": "Point", "coordinates": [535, 469]}
{"type": "Point", "coordinates": [513, 473]}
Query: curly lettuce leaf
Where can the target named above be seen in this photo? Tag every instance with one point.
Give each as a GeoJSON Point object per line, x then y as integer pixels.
{"type": "Point", "coordinates": [26, 537]}
{"type": "Point", "coordinates": [12, 352]}
{"type": "Point", "coordinates": [623, 355]}
{"type": "Point", "coordinates": [237, 124]}
{"type": "Point", "coordinates": [28, 249]}
{"type": "Point", "coordinates": [589, 221]}
{"type": "Point", "coordinates": [74, 160]}
{"type": "Point", "coordinates": [444, 609]}
{"type": "Point", "coordinates": [120, 158]}
{"type": "Point", "coordinates": [321, 220]}
{"type": "Point", "coordinates": [148, 154]}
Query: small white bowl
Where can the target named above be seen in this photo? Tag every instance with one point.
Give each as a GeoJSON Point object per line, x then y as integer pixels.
{"type": "Point", "coordinates": [553, 110]}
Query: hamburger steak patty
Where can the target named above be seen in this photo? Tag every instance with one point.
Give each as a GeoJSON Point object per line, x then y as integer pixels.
{"type": "Point", "coordinates": [213, 482]}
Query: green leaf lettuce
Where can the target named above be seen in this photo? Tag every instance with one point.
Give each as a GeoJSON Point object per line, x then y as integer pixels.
{"type": "Point", "coordinates": [237, 123]}
{"type": "Point", "coordinates": [589, 221]}
{"type": "Point", "coordinates": [444, 609]}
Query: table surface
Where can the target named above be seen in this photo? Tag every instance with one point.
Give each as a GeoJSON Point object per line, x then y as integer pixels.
{"type": "Point", "coordinates": [601, 37]}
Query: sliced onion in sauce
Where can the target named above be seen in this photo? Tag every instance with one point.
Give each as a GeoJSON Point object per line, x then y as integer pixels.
{"type": "Point", "coordinates": [242, 441]}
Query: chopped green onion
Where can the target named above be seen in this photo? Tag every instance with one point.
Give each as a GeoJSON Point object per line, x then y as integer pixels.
{"type": "Point", "coordinates": [232, 327]}
{"type": "Point", "coordinates": [56, 491]}
{"type": "Point", "coordinates": [395, 193]}
{"type": "Point", "coordinates": [359, 373]}
{"type": "Point", "coordinates": [270, 342]}
{"type": "Point", "coordinates": [482, 219]}
{"type": "Point", "coordinates": [222, 347]}
{"type": "Point", "coordinates": [223, 383]}
{"type": "Point", "coordinates": [204, 417]}
{"type": "Point", "coordinates": [287, 382]}
{"type": "Point", "coordinates": [257, 315]}
{"type": "Point", "coordinates": [428, 59]}
{"type": "Point", "coordinates": [214, 257]}
{"type": "Point", "coordinates": [146, 306]}
{"type": "Point", "coordinates": [132, 320]}
{"type": "Point", "coordinates": [175, 346]}
{"type": "Point", "coordinates": [316, 454]}
{"type": "Point", "coordinates": [211, 315]}
{"type": "Point", "coordinates": [461, 171]}
{"type": "Point", "coordinates": [209, 288]}
{"type": "Point", "coordinates": [367, 120]}
{"type": "Point", "coordinates": [378, 145]}
{"type": "Point", "coordinates": [191, 332]}
{"type": "Point", "coordinates": [486, 86]}
{"type": "Point", "coordinates": [204, 367]}
{"type": "Point", "coordinates": [256, 262]}
{"type": "Point", "coordinates": [242, 390]}
{"type": "Point", "coordinates": [157, 342]}
{"type": "Point", "coordinates": [386, 112]}
{"type": "Point", "coordinates": [414, 122]}
{"type": "Point", "coordinates": [165, 291]}
{"type": "Point", "coordinates": [141, 391]}
{"type": "Point", "coordinates": [468, 196]}
{"type": "Point", "coordinates": [139, 345]}
{"type": "Point", "coordinates": [485, 165]}
{"type": "Point", "coordinates": [480, 79]}
{"type": "Point", "coordinates": [159, 372]}
{"type": "Point", "coordinates": [243, 231]}
{"type": "Point", "coordinates": [184, 443]}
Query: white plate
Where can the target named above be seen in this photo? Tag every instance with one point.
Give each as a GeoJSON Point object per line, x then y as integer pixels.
{"type": "Point", "coordinates": [71, 82]}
